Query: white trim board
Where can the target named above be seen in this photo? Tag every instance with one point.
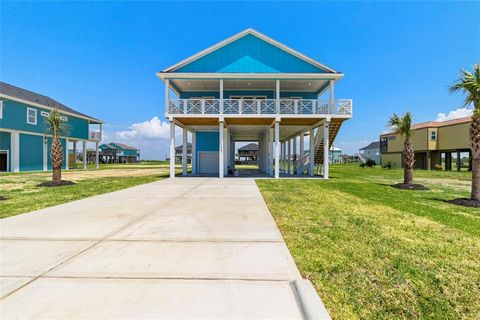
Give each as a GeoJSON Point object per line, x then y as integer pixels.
{"type": "Point", "coordinates": [45, 135]}
{"type": "Point", "coordinates": [249, 76]}
{"type": "Point", "coordinates": [242, 34]}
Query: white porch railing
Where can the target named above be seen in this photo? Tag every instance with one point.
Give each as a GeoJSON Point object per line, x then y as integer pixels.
{"type": "Point", "coordinates": [260, 106]}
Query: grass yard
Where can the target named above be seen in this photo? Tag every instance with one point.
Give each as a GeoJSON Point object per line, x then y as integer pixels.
{"type": "Point", "coordinates": [23, 194]}
{"type": "Point", "coordinates": [375, 252]}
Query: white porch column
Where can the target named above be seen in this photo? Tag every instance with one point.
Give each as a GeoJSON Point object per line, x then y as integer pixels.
{"type": "Point", "coordinates": [281, 157]}
{"type": "Point", "coordinates": [172, 149]}
{"type": "Point", "coordinates": [194, 153]}
{"type": "Point", "coordinates": [84, 154]}
{"type": "Point", "coordinates": [277, 149]}
{"type": "Point", "coordinates": [302, 144]}
{"type": "Point", "coordinates": [220, 149]}
{"type": "Point", "coordinates": [66, 154]}
{"type": "Point", "coordinates": [312, 153]}
{"type": "Point", "coordinates": [294, 154]}
{"type": "Point", "coordinates": [326, 148]}
{"type": "Point", "coordinates": [97, 160]}
{"type": "Point", "coordinates": [45, 154]}
{"type": "Point", "coordinates": [15, 145]}
{"type": "Point", "coordinates": [270, 152]}
{"type": "Point", "coordinates": [332, 97]}
{"type": "Point", "coordinates": [277, 96]}
{"type": "Point", "coordinates": [221, 96]}
{"type": "Point", "coordinates": [289, 156]}
{"type": "Point", "coordinates": [184, 152]}
{"type": "Point", "coordinates": [226, 149]}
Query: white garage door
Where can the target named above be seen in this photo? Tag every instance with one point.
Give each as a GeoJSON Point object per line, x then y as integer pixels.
{"type": "Point", "coordinates": [208, 162]}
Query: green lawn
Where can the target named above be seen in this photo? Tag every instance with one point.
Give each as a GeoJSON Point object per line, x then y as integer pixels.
{"type": "Point", "coordinates": [24, 195]}
{"type": "Point", "coordinates": [375, 252]}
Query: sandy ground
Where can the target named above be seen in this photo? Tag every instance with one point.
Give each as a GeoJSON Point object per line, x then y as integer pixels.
{"type": "Point", "coordinates": [9, 182]}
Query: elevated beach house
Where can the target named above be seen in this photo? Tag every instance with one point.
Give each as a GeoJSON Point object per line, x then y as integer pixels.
{"type": "Point", "coordinates": [24, 136]}
{"type": "Point", "coordinates": [115, 152]}
{"type": "Point", "coordinates": [434, 142]}
{"type": "Point", "coordinates": [250, 87]}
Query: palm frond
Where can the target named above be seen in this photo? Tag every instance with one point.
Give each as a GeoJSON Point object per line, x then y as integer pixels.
{"type": "Point", "coordinates": [403, 124]}
{"type": "Point", "coordinates": [469, 85]}
{"type": "Point", "coordinates": [55, 124]}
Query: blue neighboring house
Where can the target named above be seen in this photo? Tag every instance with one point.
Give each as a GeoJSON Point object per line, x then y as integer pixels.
{"type": "Point", "coordinates": [24, 138]}
{"type": "Point", "coordinates": [115, 152]}
{"type": "Point", "coordinates": [252, 88]}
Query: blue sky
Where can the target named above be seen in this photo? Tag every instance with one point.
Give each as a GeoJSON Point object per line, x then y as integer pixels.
{"type": "Point", "coordinates": [101, 57]}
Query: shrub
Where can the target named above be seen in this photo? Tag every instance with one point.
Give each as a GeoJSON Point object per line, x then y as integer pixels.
{"type": "Point", "coordinates": [388, 165]}
{"type": "Point", "coordinates": [370, 163]}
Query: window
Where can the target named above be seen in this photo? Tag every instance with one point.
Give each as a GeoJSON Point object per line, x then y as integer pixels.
{"type": "Point", "coordinates": [1, 109]}
{"type": "Point", "coordinates": [64, 118]}
{"type": "Point", "coordinates": [31, 116]}
{"type": "Point", "coordinates": [433, 135]}
{"type": "Point", "coordinates": [384, 144]}
{"type": "Point", "coordinates": [44, 113]}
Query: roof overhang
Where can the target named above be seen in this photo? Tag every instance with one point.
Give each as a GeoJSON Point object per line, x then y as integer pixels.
{"type": "Point", "coordinates": [272, 76]}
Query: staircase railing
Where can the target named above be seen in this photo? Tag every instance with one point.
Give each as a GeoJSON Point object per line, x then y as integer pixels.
{"type": "Point", "coordinates": [303, 164]}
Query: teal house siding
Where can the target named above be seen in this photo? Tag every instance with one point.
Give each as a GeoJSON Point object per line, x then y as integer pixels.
{"type": "Point", "coordinates": [250, 54]}
{"type": "Point", "coordinates": [15, 118]}
{"type": "Point", "coordinates": [5, 140]}
{"type": "Point", "coordinates": [31, 152]}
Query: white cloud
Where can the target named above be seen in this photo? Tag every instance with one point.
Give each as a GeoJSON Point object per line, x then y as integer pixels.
{"type": "Point", "coordinates": [150, 136]}
{"type": "Point", "coordinates": [150, 129]}
{"type": "Point", "coordinates": [454, 114]}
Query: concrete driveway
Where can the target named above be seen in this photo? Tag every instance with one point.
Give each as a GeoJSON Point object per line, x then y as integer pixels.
{"type": "Point", "coordinates": [182, 248]}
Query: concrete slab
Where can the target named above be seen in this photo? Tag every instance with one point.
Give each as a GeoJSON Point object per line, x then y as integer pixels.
{"type": "Point", "coordinates": [92, 218]}
{"type": "Point", "coordinates": [151, 299]}
{"type": "Point", "coordinates": [224, 191]}
{"type": "Point", "coordinates": [212, 260]}
{"type": "Point", "coordinates": [198, 219]}
{"type": "Point", "coordinates": [10, 284]}
{"type": "Point", "coordinates": [30, 258]}
{"type": "Point", "coordinates": [178, 248]}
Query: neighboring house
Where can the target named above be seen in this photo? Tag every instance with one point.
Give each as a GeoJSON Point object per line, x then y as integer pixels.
{"type": "Point", "coordinates": [433, 142]}
{"type": "Point", "coordinates": [24, 136]}
{"type": "Point", "coordinates": [250, 87]}
{"type": "Point", "coordinates": [115, 152]}
{"type": "Point", "coordinates": [179, 153]}
{"type": "Point", "coordinates": [335, 155]}
{"type": "Point", "coordinates": [248, 152]}
{"type": "Point", "coordinates": [372, 152]}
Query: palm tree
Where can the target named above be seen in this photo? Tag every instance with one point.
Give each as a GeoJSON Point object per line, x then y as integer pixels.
{"type": "Point", "coordinates": [57, 127]}
{"type": "Point", "coordinates": [469, 84]}
{"type": "Point", "coordinates": [404, 126]}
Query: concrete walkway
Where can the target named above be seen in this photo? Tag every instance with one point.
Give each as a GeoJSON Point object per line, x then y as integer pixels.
{"type": "Point", "coordinates": [183, 248]}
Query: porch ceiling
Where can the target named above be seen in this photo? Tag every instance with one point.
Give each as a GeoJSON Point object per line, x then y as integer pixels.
{"type": "Point", "coordinates": [308, 85]}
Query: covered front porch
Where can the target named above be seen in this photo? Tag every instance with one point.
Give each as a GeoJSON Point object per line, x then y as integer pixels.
{"type": "Point", "coordinates": [287, 147]}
